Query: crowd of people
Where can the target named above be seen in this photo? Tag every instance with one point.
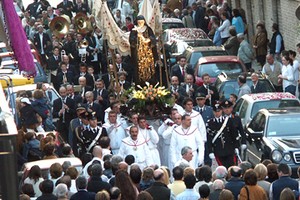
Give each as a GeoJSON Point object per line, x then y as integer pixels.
{"type": "Point", "coordinates": [190, 154]}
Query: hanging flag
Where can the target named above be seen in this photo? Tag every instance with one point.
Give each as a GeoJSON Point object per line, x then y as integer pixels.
{"type": "Point", "coordinates": [115, 37]}
{"type": "Point", "coordinates": [18, 38]}
{"type": "Point", "coordinates": [155, 22]}
{"type": "Point", "coordinates": [146, 10]}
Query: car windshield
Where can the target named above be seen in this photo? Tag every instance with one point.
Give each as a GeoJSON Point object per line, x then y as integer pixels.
{"type": "Point", "coordinates": [214, 69]}
{"type": "Point", "coordinates": [232, 87]}
{"type": "Point", "coordinates": [172, 25]}
{"type": "Point", "coordinates": [278, 103]}
{"type": "Point", "coordinates": [284, 125]}
{"type": "Point", "coordinates": [198, 54]}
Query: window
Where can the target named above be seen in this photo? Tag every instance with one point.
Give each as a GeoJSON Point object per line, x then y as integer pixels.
{"type": "Point", "coordinates": [243, 110]}
{"type": "Point", "coordinates": [284, 125]}
{"type": "Point", "coordinates": [214, 69]}
{"type": "Point", "coordinates": [258, 123]}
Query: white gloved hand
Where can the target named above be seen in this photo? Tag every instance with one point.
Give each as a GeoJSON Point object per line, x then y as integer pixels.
{"type": "Point", "coordinates": [167, 121]}
{"type": "Point", "coordinates": [236, 151]}
{"type": "Point", "coordinates": [243, 147]}
{"type": "Point", "coordinates": [212, 156]}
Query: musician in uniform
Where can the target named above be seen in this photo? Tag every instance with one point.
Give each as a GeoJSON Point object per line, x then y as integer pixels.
{"type": "Point", "coordinates": [209, 90]}
{"type": "Point", "coordinates": [187, 135]}
{"type": "Point", "coordinates": [221, 138]}
{"type": "Point", "coordinates": [92, 136]}
{"type": "Point", "coordinates": [136, 146]}
{"type": "Point", "coordinates": [115, 132]}
{"type": "Point", "coordinates": [78, 143]}
{"type": "Point", "coordinates": [227, 107]}
{"type": "Point", "coordinates": [64, 109]}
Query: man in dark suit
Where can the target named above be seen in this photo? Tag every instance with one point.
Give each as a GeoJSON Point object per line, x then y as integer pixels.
{"type": "Point", "coordinates": [65, 76]}
{"type": "Point", "coordinates": [73, 95]}
{"type": "Point", "coordinates": [64, 109]}
{"type": "Point", "coordinates": [84, 73]}
{"type": "Point", "coordinates": [124, 84]}
{"type": "Point", "coordinates": [81, 7]}
{"type": "Point", "coordinates": [81, 185]}
{"type": "Point", "coordinates": [66, 8]}
{"type": "Point", "coordinates": [101, 94]}
{"type": "Point", "coordinates": [70, 47]}
{"type": "Point", "coordinates": [181, 69]}
{"type": "Point", "coordinates": [209, 90]}
{"type": "Point", "coordinates": [94, 106]}
{"type": "Point", "coordinates": [123, 66]}
{"type": "Point", "coordinates": [84, 89]}
{"type": "Point", "coordinates": [257, 86]}
{"type": "Point", "coordinates": [71, 67]}
{"type": "Point", "coordinates": [176, 90]}
{"type": "Point", "coordinates": [53, 65]}
{"type": "Point", "coordinates": [189, 86]}
{"type": "Point", "coordinates": [198, 16]}
{"type": "Point", "coordinates": [42, 42]}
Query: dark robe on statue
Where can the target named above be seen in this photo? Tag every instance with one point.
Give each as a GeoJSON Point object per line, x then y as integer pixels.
{"type": "Point", "coordinates": [143, 55]}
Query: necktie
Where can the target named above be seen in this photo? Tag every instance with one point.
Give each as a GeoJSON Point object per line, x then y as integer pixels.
{"type": "Point", "coordinates": [94, 130]}
{"type": "Point", "coordinates": [201, 111]}
{"type": "Point", "coordinates": [183, 71]}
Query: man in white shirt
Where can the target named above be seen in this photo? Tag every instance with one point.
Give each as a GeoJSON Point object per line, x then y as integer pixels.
{"type": "Point", "coordinates": [134, 145]}
{"type": "Point", "coordinates": [187, 156]}
{"type": "Point", "coordinates": [187, 135]}
{"type": "Point", "coordinates": [115, 132]}
{"type": "Point", "coordinates": [150, 137]}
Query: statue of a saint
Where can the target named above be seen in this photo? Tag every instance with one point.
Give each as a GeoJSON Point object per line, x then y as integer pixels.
{"type": "Point", "coordinates": [143, 52]}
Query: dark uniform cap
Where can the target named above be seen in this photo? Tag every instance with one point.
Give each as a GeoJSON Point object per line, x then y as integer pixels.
{"type": "Point", "coordinates": [92, 116]}
{"type": "Point", "coordinates": [226, 104]}
{"type": "Point", "coordinates": [80, 106]}
{"type": "Point", "coordinates": [84, 115]}
{"type": "Point", "coordinates": [217, 107]}
{"type": "Point", "coordinates": [200, 96]}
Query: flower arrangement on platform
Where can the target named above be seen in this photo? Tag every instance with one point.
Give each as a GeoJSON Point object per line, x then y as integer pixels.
{"type": "Point", "coordinates": [150, 100]}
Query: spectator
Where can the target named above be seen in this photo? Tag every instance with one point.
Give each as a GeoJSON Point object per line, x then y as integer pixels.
{"type": "Point", "coordinates": [124, 183]}
{"type": "Point", "coordinates": [147, 178]}
{"type": "Point", "coordinates": [251, 189]}
{"type": "Point", "coordinates": [226, 195]}
{"type": "Point", "coordinates": [261, 172]}
{"type": "Point", "coordinates": [115, 193]}
{"type": "Point", "coordinates": [237, 21]}
{"type": "Point", "coordinates": [102, 195]}
{"type": "Point", "coordinates": [178, 185]}
{"type": "Point", "coordinates": [232, 44]}
{"type": "Point", "coordinates": [224, 28]}
{"type": "Point", "coordinates": [204, 177]}
{"type": "Point", "coordinates": [243, 86]}
{"type": "Point", "coordinates": [96, 184]}
{"type": "Point", "coordinates": [28, 189]}
{"type": "Point", "coordinates": [245, 51]}
{"type": "Point", "coordinates": [277, 44]}
{"type": "Point", "coordinates": [204, 192]}
{"type": "Point", "coordinates": [272, 172]}
{"type": "Point", "coordinates": [260, 44]}
{"type": "Point", "coordinates": [284, 181]}
{"type": "Point", "coordinates": [189, 192]}
{"type": "Point", "coordinates": [31, 146]}
{"type": "Point", "coordinates": [81, 185]}
{"type": "Point", "coordinates": [55, 172]}
{"type": "Point", "coordinates": [217, 40]}
{"type": "Point", "coordinates": [272, 69]}
{"type": "Point", "coordinates": [61, 191]}
{"type": "Point", "coordinates": [217, 188]}
{"type": "Point", "coordinates": [287, 194]}
{"type": "Point", "coordinates": [257, 86]}
{"type": "Point", "coordinates": [287, 75]}
{"type": "Point", "coordinates": [35, 178]}
{"type": "Point", "coordinates": [47, 187]}
{"type": "Point", "coordinates": [135, 174]}
{"type": "Point", "coordinates": [144, 196]}
{"type": "Point", "coordinates": [73, 173]}
{"type": "Point", "coordinates": [187, 19]}
{"type": "Point", "coordinates": [235, 183]}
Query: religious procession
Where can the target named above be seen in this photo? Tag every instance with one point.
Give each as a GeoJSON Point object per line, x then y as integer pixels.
{"type": "Point", "coordinates": [148, 100]}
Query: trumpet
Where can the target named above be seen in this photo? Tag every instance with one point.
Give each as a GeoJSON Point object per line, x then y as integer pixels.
{"type": "Point", "coordinates": [82, 49]}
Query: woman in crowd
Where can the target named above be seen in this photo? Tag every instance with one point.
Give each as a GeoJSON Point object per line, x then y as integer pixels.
{"type": "Point", "coordinates": [262, 171]}
{"type": "Point", "coordinates": [124, 183]}
{"type": "Point", "coordinates": [35, 178]}
{"type": "Point", "coordinates": [287, 75]}
{"type": "Point", "coordinates": [251, 190]}
{"type": "Point", "coordinates": [237, 21]}
{"type": "Point", "coordinates": [260, 44]}
{"type": "Point", "coordinates": [224, 28]}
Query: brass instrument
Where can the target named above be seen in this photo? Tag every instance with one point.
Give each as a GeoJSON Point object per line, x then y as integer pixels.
{"type": "Point", "coordinates": [82, 47]}
{"type": "Point", "coordinates": [82, 23]}
{"type": "Point", "coordinates": [62, 54]}
{"type": "Point", "coordinates": [60, 25]}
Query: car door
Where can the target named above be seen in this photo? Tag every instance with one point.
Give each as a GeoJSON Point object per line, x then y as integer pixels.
{"type": "Point", "coordinates": [254, 133]}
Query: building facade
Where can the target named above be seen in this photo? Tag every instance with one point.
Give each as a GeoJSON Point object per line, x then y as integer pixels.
{"type": "Point", "coordinates": [272, 11]}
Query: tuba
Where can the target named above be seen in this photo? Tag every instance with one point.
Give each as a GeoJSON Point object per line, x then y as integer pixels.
{"type": "Point", "coordinates": [82, 23]}
{"type": "Point", "coordinates": [59, 26]}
